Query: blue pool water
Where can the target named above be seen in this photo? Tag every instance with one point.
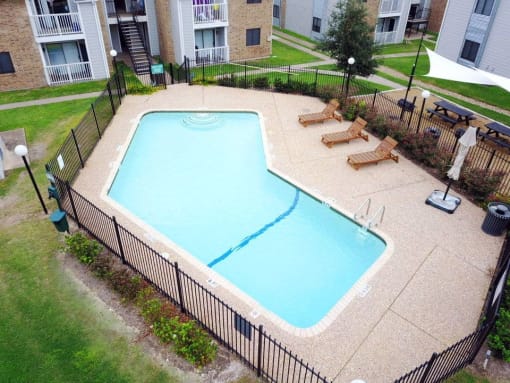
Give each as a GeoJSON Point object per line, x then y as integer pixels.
{"type": "Point", "coordinates": [201, 180]}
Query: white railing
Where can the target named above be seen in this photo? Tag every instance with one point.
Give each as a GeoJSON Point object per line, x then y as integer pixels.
{"type": "Point", "coordinates": [390, 6]}
{"type": "Point", "coordinates": [68, 73]}
{"type": "Point", "coordinates": [211, 55]}
{"type": "Point", "coordinates": [210, 13]}
{"type": "Point", "coordinates": [56, 24]}
{"type": "Point", "coordinates": [382, 38]}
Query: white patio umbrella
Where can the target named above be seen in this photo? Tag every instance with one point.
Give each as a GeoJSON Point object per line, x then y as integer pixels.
{"type": "Point", "coordinates": [467, 140]}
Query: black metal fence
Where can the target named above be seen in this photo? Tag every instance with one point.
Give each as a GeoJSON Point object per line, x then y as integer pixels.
{"type": "Point", "coordinates": [79, 144]}
{"type": "Point", "coordinates": [490, 154]}
{"type": "Point", "coordinates": [264, 354]}
{"type": "Point", "coordinates": [445, 364]}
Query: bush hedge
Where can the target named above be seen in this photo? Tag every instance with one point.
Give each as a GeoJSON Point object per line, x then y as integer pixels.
{"type": "Point", "coordinates": [166, 321]}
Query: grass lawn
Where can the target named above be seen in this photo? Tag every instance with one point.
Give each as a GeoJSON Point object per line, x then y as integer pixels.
{"type": "Point", "coordinates": [53, 91]}
{"type": "Point", "coordinates": [503, 118]}
{"type": "Point", "coordinates": [294, 34]}
{"type": "Point", "coordinates": [410, 46]}
{"type": "Point", "coordinates": [466, 377]}
{"type": "Point", "coordinates": [283, 54]}
{"type": "Point", "coordinates": [49, 332]}
{"type": "Point", "coordinates": [489, 94]}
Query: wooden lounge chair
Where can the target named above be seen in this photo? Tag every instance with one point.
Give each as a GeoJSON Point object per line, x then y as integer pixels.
{"type": "Point", "coordinates": [380, 153]}
{"type": "Point", "coordinates": [327, 114]}
{"type": "Point", "coordinates": [354, 131]}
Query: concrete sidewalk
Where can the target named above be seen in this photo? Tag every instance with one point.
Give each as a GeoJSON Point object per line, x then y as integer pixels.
{"type": "Point", "coordinates": [51, 100]}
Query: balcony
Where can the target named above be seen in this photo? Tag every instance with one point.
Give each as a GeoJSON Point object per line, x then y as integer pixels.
{"type": "Point", "coordinates": [58, 24]}
{"type": "Point", "coordinates": [390, 7]}
{"type": "Point", "coordinates": [68, 73]}
{"type": "Point", "coordinates": [382, 38]}
{"type": "Point", "coordinates": [211, 55]}
{"type": "Point", "coordinates": [210, 13]}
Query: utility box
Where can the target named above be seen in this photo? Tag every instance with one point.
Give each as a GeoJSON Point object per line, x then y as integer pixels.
{"type": "Point", "coordinates": [59, 219]}
{"type": "Point", "coordinates": [497, 218]}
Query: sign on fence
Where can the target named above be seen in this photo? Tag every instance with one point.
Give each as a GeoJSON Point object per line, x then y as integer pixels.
{"type": "Point", "coordinates": [157, 69]}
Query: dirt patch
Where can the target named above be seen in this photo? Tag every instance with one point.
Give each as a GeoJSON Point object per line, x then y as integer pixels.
{"type": "Point", "coordinates": [226, 368]}
{"type": "Point", "coordinates": [496, 371]}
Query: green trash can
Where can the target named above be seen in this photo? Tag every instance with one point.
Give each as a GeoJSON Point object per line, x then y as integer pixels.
{"type": "Point", "coordinates": [58, 218]}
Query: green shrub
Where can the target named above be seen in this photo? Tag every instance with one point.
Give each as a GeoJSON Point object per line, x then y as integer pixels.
{"type": "Point", "coordinates": [228, 80]}
{"type": "Point", "coordinates": [480, 183]}
{"type": "Point", "coordinates": [143, 295]}
{"type": "Point", "coordinates": [421, 146]}
{"type": "Point", "coordinates": [102, 266]}
{"type": "Point", "coordinates": [327, 92]}
{"type": "Point", "coordinates": [353, 109]}
{"type": "Point", "coordinates": [85, 249]}
{"type": "Point", "coordinates": [151, 310]}
{"type": "Point", "coordinates": [166, 329]}
{"type": "Point", "coordinates": [194, 344]}
{"type": "Point", "coordinates": [126, 284]}
{"type": "Point", "coordinates": [261, 82]}
{"type": "Point", "coordinates": [499, 339]}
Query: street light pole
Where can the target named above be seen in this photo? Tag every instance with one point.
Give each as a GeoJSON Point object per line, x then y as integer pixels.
{"type": "Point", "coordinates": [113, 53]}
{"type": "Point", "coordinates": [425, 94]}
{"type": "Point", "coordinates": [350, 62]}
{"type": "Point", "coordinates": [413, 70]}
{"type": "Point", "coordinates": [21, 151]}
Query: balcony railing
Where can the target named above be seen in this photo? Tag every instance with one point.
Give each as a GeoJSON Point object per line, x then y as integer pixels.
{"type": "Point", "coordinates": [211, 55]}
{"type": "Point", "coordinates": [56, 24]}
{"type": "Point", "coordinates": [68, 73]}
{"type": "Point", "coordinates": [390, 6]}
{"type": "Point", "coordinates": [382, 38]}
{"type": "Point", "coordinates": [210, 13]}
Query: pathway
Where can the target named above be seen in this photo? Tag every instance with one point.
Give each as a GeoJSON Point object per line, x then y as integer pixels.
{"type": "Point", "coordinates": [51, 100]}
{"type": "Point", "coordinates": [293, 42]}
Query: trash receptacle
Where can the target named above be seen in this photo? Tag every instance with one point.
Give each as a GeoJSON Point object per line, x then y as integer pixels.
{"type": "Point", "coordinates": [433, 131]}
{"type": "Point", "coordinates": [58, 218]}
{"type": "Point", "coordinates": [497, 218]}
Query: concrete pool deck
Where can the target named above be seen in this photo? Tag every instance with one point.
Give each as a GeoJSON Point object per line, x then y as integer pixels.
{"type": "Point", "coordinates": [425, 296]}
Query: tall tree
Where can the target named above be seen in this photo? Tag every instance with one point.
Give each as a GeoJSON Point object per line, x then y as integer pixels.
{"type": "Point", "coordinates": [350, 35]}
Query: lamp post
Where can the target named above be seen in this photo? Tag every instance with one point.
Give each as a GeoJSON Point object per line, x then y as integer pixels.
{"type": "Point", "coordinates": [413, 70]}
{"type": "Point", "coordinates": [21, 151]}
{"type": "Point", "coordinates": [350, 62]}
{"type": "Point", "coordinates": [425, 94]}
{"type": "Point", "coordinates": [113, 53]}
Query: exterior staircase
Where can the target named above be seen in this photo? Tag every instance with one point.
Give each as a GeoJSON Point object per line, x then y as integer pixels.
{"type": "Point", "coordinates": [133, 41]}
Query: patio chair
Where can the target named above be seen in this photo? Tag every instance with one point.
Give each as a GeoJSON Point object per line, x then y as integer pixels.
{"type": "Point", "coordinates": [380, 153]}
{"type": "Point", "coordinates": [327, 114]}
{"type": "Point", "coordinates": [354, 131]}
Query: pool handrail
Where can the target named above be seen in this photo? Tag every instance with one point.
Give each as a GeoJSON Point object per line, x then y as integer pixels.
{"type": "Point", "coordinates": [367, 202]}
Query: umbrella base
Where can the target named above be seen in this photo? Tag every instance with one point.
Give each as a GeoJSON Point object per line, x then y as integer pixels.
{"type": "Point", "coordinates": [449, 204]}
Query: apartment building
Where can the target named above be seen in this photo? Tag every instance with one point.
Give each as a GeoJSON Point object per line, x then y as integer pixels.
{"type": "Point", "coordinates": [474, 32]}
{"type": "Point", "coordinates": [63, 41]}
{"type": "Point", "coordinates": [390, 18]}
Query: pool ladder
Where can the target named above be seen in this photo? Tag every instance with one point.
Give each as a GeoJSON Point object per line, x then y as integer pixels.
{"type": "Point", "coordinates": [376, 219]}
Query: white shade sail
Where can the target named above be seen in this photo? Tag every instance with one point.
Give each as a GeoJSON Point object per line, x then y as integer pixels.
{"type": "Point", "coordinates": [441, 67]}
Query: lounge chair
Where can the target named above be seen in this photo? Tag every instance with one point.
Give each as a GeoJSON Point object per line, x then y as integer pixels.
{"type": "Point", "coordinates": [327, 114]}
{"type": "Point", "coordinates": [380, 153]}
{"type": "Point", "coordinates": [354, 131]}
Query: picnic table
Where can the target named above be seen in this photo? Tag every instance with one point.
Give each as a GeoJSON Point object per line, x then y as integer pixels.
{"type": "Point", "coordinates": [443, 108]}
{"type": "Point", "coordinates": [496, 128]}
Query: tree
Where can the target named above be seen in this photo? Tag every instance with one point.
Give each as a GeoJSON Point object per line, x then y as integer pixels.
{"type": "Point", "coordinates": [350, 35]}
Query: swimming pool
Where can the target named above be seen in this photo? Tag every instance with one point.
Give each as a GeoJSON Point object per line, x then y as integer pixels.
{"type": "Point", "coordinates": [201, 180]}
